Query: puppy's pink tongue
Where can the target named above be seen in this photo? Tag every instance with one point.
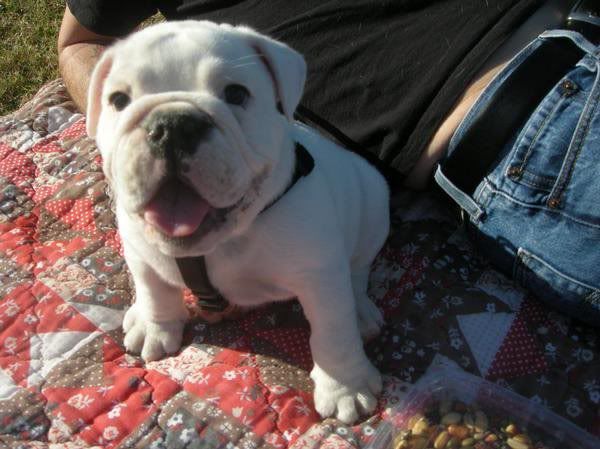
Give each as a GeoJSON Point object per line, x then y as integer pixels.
{"type": "Point", "coordinates": [176, 209]}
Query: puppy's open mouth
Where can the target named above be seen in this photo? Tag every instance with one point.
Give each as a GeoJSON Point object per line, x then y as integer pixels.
{"type": "Point", "coordinates": [176, 209]}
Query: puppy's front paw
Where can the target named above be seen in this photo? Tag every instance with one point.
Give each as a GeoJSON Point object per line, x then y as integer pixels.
{"type": "Point", "coordinates": [152, 339]}
{"type": "Point", "coordinates": [349, 399]}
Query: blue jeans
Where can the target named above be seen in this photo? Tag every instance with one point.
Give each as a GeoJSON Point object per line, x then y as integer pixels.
{"type": "Point", "coordinates": [536, 214]}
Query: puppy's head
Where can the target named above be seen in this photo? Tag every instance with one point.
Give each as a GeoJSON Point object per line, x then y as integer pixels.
{"type": "Point", "coordinates": [192, 119]}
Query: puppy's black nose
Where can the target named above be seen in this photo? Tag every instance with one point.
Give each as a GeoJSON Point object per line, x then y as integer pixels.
{"type": "Point", "coordinates": [176, 134]}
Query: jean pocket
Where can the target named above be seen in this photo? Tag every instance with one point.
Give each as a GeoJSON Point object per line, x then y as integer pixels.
{"type": "Point", "coordinates": [540, 150]}
{"type": "Point", "coordinates": [557, 289]}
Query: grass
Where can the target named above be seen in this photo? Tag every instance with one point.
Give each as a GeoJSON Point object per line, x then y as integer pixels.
{"type": "Point", "coordinates": [28, 58]}
{"type": "Point", "coordinates": [28, 55]}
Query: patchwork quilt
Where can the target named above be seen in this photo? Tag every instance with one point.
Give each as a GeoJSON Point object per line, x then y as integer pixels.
{"type": "Point", "coordinates": [67, 382]}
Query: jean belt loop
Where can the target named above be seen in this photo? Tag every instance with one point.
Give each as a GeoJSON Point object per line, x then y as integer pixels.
{"type": "Point", "coordinates": [575, 37]}
{"type": "Point", "coordinates": [461, 198]}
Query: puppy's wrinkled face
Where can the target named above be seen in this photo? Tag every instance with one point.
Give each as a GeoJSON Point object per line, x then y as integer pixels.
{"type": "Point", "coordinates": [191, 119]}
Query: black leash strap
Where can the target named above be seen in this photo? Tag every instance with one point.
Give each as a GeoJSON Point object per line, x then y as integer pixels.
{"type": "Point", "coordinates": [193, 269]}
{"type": "Point", "coordinates": [194, 274]}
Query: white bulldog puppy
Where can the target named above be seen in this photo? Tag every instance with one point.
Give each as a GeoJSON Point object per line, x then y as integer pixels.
{"type": "Point", "coordinates": [194, 122]}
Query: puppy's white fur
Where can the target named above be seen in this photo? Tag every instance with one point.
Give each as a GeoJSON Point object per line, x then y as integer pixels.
{"type": "Point", "coordinates": [316, 243]}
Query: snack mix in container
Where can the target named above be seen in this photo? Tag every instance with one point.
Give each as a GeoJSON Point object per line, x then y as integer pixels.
{"type": "Point", "coordinates": [451, 409]}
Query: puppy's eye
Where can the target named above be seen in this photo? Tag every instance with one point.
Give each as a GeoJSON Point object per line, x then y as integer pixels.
{"type": "Point", "coordinates": [119, 100]}
{"type": "Point", "coordinates": [236, 94]}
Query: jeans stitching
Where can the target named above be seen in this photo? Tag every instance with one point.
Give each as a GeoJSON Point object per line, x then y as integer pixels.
{"type": "Point", "coordinates": [524, 256]}
{"type": "Point", "coordinates": [545, 182]}
{"type": "Point", "coordinates": [497, 191]}
{"type": "Point", "coordinates": [581, 133]}
{"type": "Point", "coordinates": [541, 127]}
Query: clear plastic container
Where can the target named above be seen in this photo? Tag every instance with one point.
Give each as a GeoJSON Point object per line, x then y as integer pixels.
{"type": "Point", "coordinates": [451, 409]}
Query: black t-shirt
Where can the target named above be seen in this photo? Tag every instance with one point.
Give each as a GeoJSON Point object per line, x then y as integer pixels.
{"type": "Point", "coordinates": [384, 72]}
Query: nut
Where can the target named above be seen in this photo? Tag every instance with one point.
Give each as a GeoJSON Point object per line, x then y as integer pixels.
{"type": "Point", "coordinates": [453, 443]}
{"type": "Point", "coordinates": [400, 443]}
{"type": "Point", "coordinates": [420, 426]}
{"type": "Point", "coordinates": [417, 443]}
{"type": "Point", "coordinates": [491, 438]}
{"type": "Point", "coordinates": [451, 418]}
{"type": "Point", "coordinates": [460, 432]}
{"type": "Point", "coordinates": [511, 429]}
{"type": "Point", "coordinates": [522, 438]}
{"type": "Point", "coordinates": [469, 420]}
{"type": "Point", "coordinates": [413, 420]}
{"type": "Point", "coordinates": [516, 444]}
{"type": "Point", "coordinates": [441, 440]}
{"type": "Point", "coordinates": [434, 431]}
{"type": "Point", "coordinates": [468, 442]}
{"type": "Point", "coordinates": [401, 440]}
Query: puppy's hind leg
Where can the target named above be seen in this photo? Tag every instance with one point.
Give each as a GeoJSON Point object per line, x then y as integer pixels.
{"type": "Point", "coordinates": [370, 318]}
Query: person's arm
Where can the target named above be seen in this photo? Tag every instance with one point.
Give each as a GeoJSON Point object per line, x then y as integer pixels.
{"type": "Point", "coordinates": [78, 51]}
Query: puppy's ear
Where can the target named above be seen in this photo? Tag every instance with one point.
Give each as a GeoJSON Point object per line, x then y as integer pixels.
{"type": "Point", "coordinates": [94, 98]}
{"type": "Point", "coordinates": [286, 66]}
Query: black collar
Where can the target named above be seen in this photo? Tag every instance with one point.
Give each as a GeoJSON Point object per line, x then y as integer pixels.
{"type": "Point", "coordinates": [193, 269]}
{"type": "Point", "coordinates": [304, 165]}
